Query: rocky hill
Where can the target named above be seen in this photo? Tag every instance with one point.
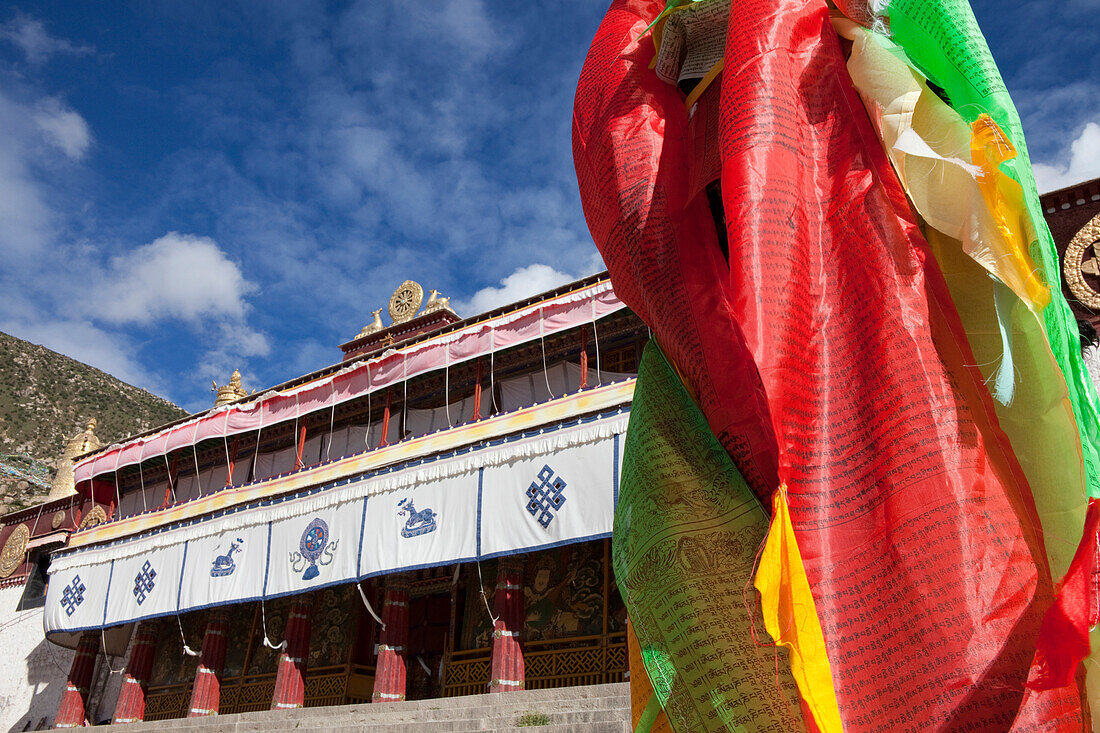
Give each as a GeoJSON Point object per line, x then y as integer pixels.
{"type": "Point", "coordinates": [46, 398]}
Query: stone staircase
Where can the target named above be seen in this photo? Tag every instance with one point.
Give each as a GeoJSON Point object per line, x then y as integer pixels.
{"type": "Point", "coordinates": [586, 709]}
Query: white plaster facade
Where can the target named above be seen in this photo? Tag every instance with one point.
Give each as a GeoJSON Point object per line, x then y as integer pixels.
{"type": "Point", "coordinates": [33, 671]}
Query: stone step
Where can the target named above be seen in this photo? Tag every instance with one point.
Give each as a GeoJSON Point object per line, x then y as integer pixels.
{"type": "Point", "coordinates": [603, 720]}
{"type": "Point", "coordinates": [504, 709]}
{"type": "Point", "coordinates": [591, 709]}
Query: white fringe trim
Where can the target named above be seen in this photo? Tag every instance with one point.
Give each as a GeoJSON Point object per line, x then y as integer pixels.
{"type": "Point", "coordinates": [440, 470]}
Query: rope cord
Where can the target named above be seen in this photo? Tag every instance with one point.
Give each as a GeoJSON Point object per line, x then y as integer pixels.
{"type": "Point", "coordinates": [542, 341]}
{"type": "Point", "coordinates": [225, 439]}
{"type": "Point", "coordinates": [37, 517]}
{"type": "Point", "coordinates": [297, 410]}
{"type": "Point", "coordinates": [118, 492]}
{"type": "Point", "coordinates": [141, 480]}
{"type": "Point", "coordinates": [370, 609]}
{"type": "Point", "coordinates": [484, 599]}
{"type": "Point", "coordinates": [366, 440]}
{"type": "Point", "coordinates": [256, 453]}
{"type": "Point", "coordinates": [447, 386]}
{"type": "Point", "coordinates": [492, 385]}
{"type": "Point", "coordinates": [53, 658]}
{"type": "Point", "coordinates": [332, 416]}
{"type": "Point", "coordinates": [107, 659]}
{"type": "Point", "coordinates": [267, 642]}
{"type": "Point", "coordinates": [195, 453]}
{"type": "Point", "coordinates": [171, 481]}
{"type": "Point", "coordinates": [404, 397]}
{"type": "Point", "coordinates": [186, 649]}
{"type": "Point", "coordinates": [596, 338]}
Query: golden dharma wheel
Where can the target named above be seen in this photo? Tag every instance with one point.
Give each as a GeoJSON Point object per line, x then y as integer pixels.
{"type": "Point", "coordinates": [11, 557]}
{"type": "Point", "coordinates": [1076, 266]}
{"type": "Point", "coordinates": [96, 516]}
{"type": "Point", "coordinates": [406, 301]}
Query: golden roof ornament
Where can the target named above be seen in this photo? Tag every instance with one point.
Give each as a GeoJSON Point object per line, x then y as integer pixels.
{"type": "Point", "coordinates": [406, 301]}
{"type": "Point", "coordinates": [374, 327]}
{"type": "Point", "coordinates": [15, 549]}
{"type": "Point", "coordinates": [97, 515]}
{"type": "Point", "coordinates": [435, 303]}
{"type": "Point", "coordinates": [64, 483]}
{"type": "Point", "coordinates": [227, 393]}
{"type": "Point", "coordinates": [1075, 265]}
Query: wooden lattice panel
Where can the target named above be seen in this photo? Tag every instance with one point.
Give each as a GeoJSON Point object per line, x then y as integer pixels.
{"type": "Point", "coordinates": [167, 705]}
{"type": "Point", "coordinates": [586, 665]}
{"type": "Point", "coordinates": [247, 697]}
{"type": "Point", "coordinates": [467, 676]}
{"type": "Point", "coordinates": [326, 690]}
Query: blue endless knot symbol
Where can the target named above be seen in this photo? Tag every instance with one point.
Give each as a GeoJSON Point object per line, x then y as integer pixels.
{"type": "Point", "coordinates": [143, 582]}
{"type": "Point", "coordinates": [72, 596]}
{"type": "Point", "coordinates": [546, 496]}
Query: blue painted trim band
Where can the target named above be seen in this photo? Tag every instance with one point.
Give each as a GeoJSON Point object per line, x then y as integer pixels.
{"type": "Point", "coordinates": [615, 471]}
{"type": "Point", "coordinates": [107, 595]}
{"type": "Point", "coordinates": [267, 561]}
{"type": "Point", "coordinates": [548, 546]}
{"type": "Point", "coordinates": [480, 486]}
{"type": "Point", "coordinates": [183, 569]}
{"type": "Point", "coordinates": [362, 531]}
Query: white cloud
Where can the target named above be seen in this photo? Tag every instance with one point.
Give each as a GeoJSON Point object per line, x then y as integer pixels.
{"type": "Point", "coordinates": [28, 220]}
{"type": "Point", "coordinates": [176, 276]}
{"type": "Point", "coordinates": [1084, 162]}
{"type": "Point", "coordinates": [523, 283]}
{"type": "Point", "coordinates": [64, 128]}
{"type": "Point", "coordinates": [35, 42]}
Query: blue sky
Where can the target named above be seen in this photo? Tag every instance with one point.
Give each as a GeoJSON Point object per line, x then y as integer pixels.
{"type": "Point", "coordinates": [186, 188]}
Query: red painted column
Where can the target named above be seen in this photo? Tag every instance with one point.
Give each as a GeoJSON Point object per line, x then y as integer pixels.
{"type": "Point", "coordinates": [71, 712]}
{"type": "Point", "coordinates": [290, 683]}
{"type": "Point", "coordinates": [507, 655]}
{"type": "Point", "coordinates": [389, 673]}
{"type": "Point", "coordinates": [206, 693]}
{"type": "Point", "coordinates": [130, 707]}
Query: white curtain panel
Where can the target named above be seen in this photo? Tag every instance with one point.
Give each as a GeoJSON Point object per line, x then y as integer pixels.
{"type": "Point", "coordinates": [540, 491]}
{"type": "Point", "coordinates": [132, 503]}
{"type": "Point", "coordinates": [422, 422]}
{"type": "Point", "coordinates": [314, 549]}
{"type": "Point", "coordinates": [563, 377]}
{"type": "Point", "coordinates": [187, 487]}
{"type": "Point", "coordinates": [548, 500]}
{"type": "Point", "coordinates": [145, 585]}
{"type": "Point", "coordinates": [432, 523]}
{"type": "Point", "coordinates": [274, 463]}
{"type": "Point", "coordinates": [75, 598]}
{"type": "Point", "coordinates": [227, 567]}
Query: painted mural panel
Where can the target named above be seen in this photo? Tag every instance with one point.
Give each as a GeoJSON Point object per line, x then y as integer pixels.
{"type": "Point", "coordinates": [563, 590]}
{"type": "Point", "coordinates": [333, 631]}
{"type": "Point", "coordinates": [170, 665]}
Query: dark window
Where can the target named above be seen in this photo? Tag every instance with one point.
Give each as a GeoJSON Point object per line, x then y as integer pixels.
{"type": "Point", "coordinates": [34, 592]}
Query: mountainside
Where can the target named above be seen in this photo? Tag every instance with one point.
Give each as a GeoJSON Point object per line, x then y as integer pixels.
{"type": "Point", "coordinates": [46, 398]}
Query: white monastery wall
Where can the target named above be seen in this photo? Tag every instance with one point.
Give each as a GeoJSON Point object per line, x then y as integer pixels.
{"type": "Point", "coordinates": [33, 671]}
{"type": "Point", "coordinates": [32, 675]}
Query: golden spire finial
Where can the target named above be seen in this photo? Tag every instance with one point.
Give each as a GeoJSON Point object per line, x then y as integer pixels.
{"type": "Point", "coordinates": [63, 483]}
{"type": "Point", "coordinates": [227, 393]}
